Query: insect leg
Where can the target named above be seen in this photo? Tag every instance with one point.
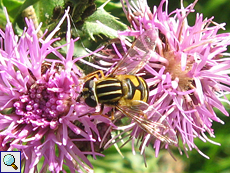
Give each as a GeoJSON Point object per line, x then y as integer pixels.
{"type": "Point", "coordinates": [94, 74]}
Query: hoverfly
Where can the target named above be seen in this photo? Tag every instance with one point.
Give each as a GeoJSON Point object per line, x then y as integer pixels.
{"type": "Point", "coordinates": [126, 92]}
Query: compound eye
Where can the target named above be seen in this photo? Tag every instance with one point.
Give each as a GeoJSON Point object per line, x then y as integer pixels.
{"type": "Point", "coordinates": [86, 84]}
{"type": "Point", "coordinates": [91, 101]}
{"type": "Point", "coordinates": [89, 83]}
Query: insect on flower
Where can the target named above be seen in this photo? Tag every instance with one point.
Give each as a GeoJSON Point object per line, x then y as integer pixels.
{"type": "Point", "coordinates": [126, 92]}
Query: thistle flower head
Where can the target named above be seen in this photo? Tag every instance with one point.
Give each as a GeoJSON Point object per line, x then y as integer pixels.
{"type": "Point", "coordinates": [40, 115]}
{"type": "Point", "coordinates": [187, 72]}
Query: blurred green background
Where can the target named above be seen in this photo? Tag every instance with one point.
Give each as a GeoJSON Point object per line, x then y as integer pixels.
{"type": "Point", "coordinates": [219, 161]}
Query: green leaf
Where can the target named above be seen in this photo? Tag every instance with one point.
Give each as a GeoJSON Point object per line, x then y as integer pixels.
{"type": "Point", "coordinates": [101, 22]}
{"type": "Point", "coordinates": [44, 10]}
{"type": "Point", "coordinates": [12, 5]}
{"type": "Point", "coordinates": [2, 19]}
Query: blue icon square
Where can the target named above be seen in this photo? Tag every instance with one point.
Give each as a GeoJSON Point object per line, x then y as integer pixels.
{"type": "Point", "coordinates": [10, 162]}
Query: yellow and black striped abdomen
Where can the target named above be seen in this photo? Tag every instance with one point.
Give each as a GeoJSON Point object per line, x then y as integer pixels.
{"type": "Point", "coordinates": [109, 90]}
{"type": "Point", "coordinates": [134, 88]}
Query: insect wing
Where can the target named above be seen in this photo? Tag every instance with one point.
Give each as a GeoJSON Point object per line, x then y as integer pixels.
{"type": "Point", "coordinates": [138, 54]}
{"type": "Point", "coordinates": [159, 129]}
{"type": "Point", "coordinates": [169, 135]}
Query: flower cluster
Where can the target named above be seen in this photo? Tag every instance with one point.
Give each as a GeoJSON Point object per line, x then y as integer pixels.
{"type": "Point", "coordinates": [40, 115]}
{"type": "Point", "coordinates": [187, 72]}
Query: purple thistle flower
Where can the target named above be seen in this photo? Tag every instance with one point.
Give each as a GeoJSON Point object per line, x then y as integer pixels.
{"type": "Point", "coordinates": [40, 115]}
{"type": "Point", "coordinates": [187, 72]}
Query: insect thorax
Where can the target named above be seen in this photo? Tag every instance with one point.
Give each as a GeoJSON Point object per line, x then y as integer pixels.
{"type": "Point", "coordinates": [109, 90]}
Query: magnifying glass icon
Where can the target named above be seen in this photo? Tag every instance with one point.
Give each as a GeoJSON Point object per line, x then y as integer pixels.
{"type": "Point", "coordinates": [9, 160]}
